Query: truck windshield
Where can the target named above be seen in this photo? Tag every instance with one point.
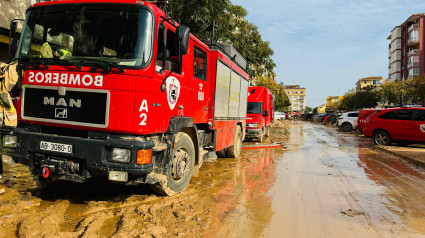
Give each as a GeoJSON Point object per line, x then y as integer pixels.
{"type": "Point", "coordinates": [254, 108]}
{"type": "Point", "coordinates": [88, 34]}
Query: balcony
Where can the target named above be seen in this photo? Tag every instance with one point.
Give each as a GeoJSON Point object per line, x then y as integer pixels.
{"type": "Point", "coordinates": [413, 40]}
{"type": "Point", "coordinates": [413, 27]}
{"type": "Point", "coordinates": [413, 52]}
{"type": "Point", "coordinates": [413, 65]}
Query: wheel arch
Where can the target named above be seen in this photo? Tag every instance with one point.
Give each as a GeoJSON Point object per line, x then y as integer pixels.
{"type": "Point", "coordinates": [380, 129]}
{"type": "Point", "coordinates": [242, 129]}
{"type": "Point", "coordinates": [185, 124]}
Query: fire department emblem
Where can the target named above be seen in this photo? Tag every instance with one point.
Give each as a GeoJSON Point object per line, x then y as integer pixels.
{"type": "Point", "coordinates": [422, 127]}
{"type": "Point", "coordinates": [173, 91]}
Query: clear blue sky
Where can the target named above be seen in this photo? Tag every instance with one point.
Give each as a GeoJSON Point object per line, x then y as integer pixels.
{"type": "Point", "coordinates": [327, 45]}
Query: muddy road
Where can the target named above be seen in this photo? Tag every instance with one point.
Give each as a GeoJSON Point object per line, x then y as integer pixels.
{"type": "Point", "coordinates": [325, 184]}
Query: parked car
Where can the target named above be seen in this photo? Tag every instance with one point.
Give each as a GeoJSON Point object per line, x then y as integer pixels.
{"type": "Point", "coordinates": [309, 116]}
{"type": "Point", "coordinates": [348, 121]}
{"type": "Point", "coordinates": [280, 115]}
{"type": "Point", "coordinates": [402, 125]}
{"type": "Point", "coordinates": [319, 117]}
{"type": "Point", "coordinates": [333, 119]}
{"type": "Point", "coordinates": [363, 115]}
{"type": "Point", "coordinates": [325, 119]}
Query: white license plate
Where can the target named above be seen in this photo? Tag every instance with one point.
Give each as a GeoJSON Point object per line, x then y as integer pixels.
{"type": "Point", "coordinates": [57, 147]}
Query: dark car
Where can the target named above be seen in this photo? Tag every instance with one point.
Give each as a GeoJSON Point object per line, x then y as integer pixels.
{"type": "Point", "coordinates": [402, 125]}
{"type": "Point", "coordinates": [319, 117]}
{"type": "Point", "coordinates": [332, 119]}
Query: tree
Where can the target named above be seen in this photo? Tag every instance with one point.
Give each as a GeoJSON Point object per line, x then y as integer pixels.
{"type": "Point", "coordinates": [231, 27]}
{"type": "Point", "coordinates": [308, 109]}
{"type": "Point", "coordinates": [389, 93]}
{"type": "Point", "coordinates": [315, 110]}
{"type": "Point", "coordinates": [364, 98]}
{"type": "Point", "coordinates": [415, 89]}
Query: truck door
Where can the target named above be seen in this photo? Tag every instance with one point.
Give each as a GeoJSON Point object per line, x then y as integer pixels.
{"type": "Point", "coordinates": [200, 85]}
{"type": "Point", "coordinates": [154, 107]}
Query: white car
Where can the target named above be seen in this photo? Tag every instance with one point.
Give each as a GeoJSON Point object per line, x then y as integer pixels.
{"type": "Point", "coordinates": [279, 115]}
{"type": "Point", "coordinates": [348, 121]}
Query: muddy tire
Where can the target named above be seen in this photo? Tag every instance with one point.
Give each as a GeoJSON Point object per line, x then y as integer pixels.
{"type": "Point", "coordinates": [179, 169]}
{"type": "Point", "coordinates": [235, 150]}
{"type": "Point", "coordinates": [381, 138]}
{"type": "Point", "coordinates": [221, 153]}
{"type": "Point", "coordinates": [346, 127]}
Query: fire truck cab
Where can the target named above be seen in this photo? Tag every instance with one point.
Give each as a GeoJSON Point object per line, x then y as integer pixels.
{"type": "Point", "coordinates": [118, 89]}
{"type": "Point", "coordinates": [260, 113]}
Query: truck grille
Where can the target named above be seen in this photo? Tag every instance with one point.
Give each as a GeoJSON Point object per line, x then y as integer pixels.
{"type": "Point", "coordinates": [83, 107]}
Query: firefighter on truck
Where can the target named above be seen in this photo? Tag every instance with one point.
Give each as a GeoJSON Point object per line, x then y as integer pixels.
{"type": "Point", "coordinates": [120, 90]}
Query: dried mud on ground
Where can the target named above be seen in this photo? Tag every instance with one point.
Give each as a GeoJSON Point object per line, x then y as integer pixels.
{"type": "Point", "coordinates": [209, 207]}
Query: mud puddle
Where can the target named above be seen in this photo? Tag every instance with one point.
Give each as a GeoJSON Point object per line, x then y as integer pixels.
{"type": "Point", "coordinates": [325, 184]}
{"type": "Point", "coordinates": [211, 206]}
{"type": "Point", "coordinates": [333, 184]}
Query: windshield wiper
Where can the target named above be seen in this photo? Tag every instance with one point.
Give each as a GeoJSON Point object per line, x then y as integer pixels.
{"type": "Point", "coordinates": [61, 62]}
{"type": "Point", "coordinates": [66, 62]}
{"type": "Point", "coordinates": [45, 62]}
{"type": "Point", "coordinates": [106, 66]}
{"type": "Point", "coordinates": [31, 61]}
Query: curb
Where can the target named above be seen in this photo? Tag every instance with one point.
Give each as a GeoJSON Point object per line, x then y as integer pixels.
{"type": "Point", "coordinates": [405, 157]}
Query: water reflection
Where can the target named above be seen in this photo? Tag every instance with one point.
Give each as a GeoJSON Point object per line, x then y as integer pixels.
{"type": "Point", "coordinates": [243, 206]}
{"type": "Point", "coordinates": [403, 182]}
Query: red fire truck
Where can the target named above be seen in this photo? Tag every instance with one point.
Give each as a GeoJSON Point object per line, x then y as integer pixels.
{"type": "Point", "coordinates": [260, 113]}
{"type": "Point", "coordinates": [116, 88]}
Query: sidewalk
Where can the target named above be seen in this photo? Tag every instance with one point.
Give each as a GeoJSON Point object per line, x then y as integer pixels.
{"type": "Point", "coordinates": [413, 153]}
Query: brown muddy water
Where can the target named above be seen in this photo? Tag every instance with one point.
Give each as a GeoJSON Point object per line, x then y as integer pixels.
{"type": "Point", "coordinates": [325, 184]}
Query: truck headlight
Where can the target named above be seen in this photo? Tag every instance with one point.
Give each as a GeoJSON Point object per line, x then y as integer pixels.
{"type": "Point", "coordinates": [10, 141]}
{"type": "Point", "coordinates": [120, 155]}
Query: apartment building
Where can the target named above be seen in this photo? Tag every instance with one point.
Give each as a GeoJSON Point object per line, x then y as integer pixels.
{"type": "Point", "coordinates": [374, 82]}
{"type": "Point", "coordinates": [321, 108]}
{"type": "Point", "coordinates": [406, 49]}
{"type": "Point", "coordinates": [296, 95]}
{"type": "Point", "coordinates": [332, 103]}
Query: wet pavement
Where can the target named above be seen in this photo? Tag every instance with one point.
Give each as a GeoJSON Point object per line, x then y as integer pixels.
{"type": "Point", "coordinates": [324, 184]}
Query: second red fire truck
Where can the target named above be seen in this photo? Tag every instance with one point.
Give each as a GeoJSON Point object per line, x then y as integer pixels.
{"type": "Point", "coordinates": [260, 113]}
{"type": "Point", "coordinates": [118, 89]}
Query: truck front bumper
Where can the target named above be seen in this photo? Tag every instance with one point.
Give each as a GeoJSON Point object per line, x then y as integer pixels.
{"type": "Point", "coordinates": [253, 133]}
{"type": "Point", "coordinates": [89, 156]}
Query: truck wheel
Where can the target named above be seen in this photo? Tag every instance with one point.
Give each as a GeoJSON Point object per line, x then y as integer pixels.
{"type": "Point", "coordinates": [179, 169]}
{"type": "Point", "coordinates": [235, 150]}
{"type": "Point", "coordinates": [381, 138]}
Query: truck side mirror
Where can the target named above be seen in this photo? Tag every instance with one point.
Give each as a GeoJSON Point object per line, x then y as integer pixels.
{"type": "Point", "coordinates": [266, 113]}
{"type": "Point", "coordinates": [13, 37]}
{"type": "Point", "coordinates": [13, 27]}
{"type": "Point", "coordinates": [183, 33]}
